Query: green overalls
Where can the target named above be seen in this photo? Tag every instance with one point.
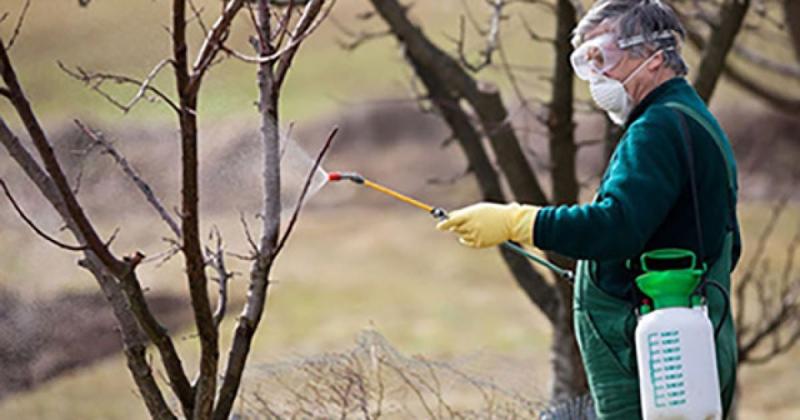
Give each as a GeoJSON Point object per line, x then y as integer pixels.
{"type": "Point", "coordinates": [644, 203]}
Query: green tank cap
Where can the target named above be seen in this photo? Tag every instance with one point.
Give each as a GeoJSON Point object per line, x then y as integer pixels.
{"type": "Point", "coordinates": [672, 287]}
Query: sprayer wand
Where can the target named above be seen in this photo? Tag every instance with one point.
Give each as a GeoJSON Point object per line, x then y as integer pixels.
{"type": "Point", "coordinates": [441, 214]}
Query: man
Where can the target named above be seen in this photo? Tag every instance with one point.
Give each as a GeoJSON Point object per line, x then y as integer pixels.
{"type": "Point", "coordinates": [629, 52]}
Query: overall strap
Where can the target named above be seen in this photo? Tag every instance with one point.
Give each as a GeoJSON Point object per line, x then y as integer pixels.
{"type": "Point", "coordinates": [683, 110]}
{"type": "Point", "coordinates": [687, 141]}
{"type": "Point", "coordinates": [718, 141]}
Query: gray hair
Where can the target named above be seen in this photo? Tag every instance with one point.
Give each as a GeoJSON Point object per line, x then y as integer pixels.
{"type": "Point", "coordinates": [647, 20]}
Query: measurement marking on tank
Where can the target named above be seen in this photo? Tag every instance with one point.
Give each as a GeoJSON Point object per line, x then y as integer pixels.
{"type": "Point", "coordinates": [666, 368]}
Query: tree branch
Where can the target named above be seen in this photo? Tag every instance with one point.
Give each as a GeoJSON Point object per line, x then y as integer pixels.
{"type": "Point", "coordinates": [492, 36]}
{"type": "Point", "coordinates": [305, 26]}
{"type": "Point", "coordinates": [211, 44]}
{"type": "Point", "coordinates": [560, 114]}
{"type": "Point", "coordinates": [259, 273]}
{"type": "Point", "coordinates": [187, 86]}
{"type": "Point", "coordinates": [777, 99]}
{"type": "Point", "coordinates": [155, 331]}
{"type": "Point", "coordinates": [199, 17]}
{"type": "Point", "coordinates": [159, 336]}
{"type": "Point", "coordinates": [779, 305]}
{"type": "Point", "coordinates": [53, 168]}
{"type": "Point", "coordinates": [712, 62]}
{"type": "Point", "coordinates": [18, 26]}
{"type": "Point", "coordinates": [140, 183]}
{"type": "Point", "coordinates": [791, 9]}
{"type": "Point", "coordinates": [95, 82]}
{"type": "Point", "coordinates": [787, 69]}
{"type": "Point", "coordinates": [532, 283]}
{"type": "Point", "coordinates": [216, 258]}
{"type": "Point", "coordinates": [484, 99]}
{"type": "Point", "coordinates": [33, 226]}
{"type": "Point", "coordinates": [296, 213]}
{"type": "Point", "coordinates": [132, 337]}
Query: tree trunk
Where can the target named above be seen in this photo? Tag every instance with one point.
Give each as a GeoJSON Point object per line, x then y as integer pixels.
{"type": "Point", "coordinates": [560, 117]}
{"type": "Point", "coordinates": [569, 378]}
{"type": "Point", "coordinates": [719, 44]}
{"type": "Point", "coordinates": [447, 84]}
{"type": "Point", "coordinates": [791, 9]}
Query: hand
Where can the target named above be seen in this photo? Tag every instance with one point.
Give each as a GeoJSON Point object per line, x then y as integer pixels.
{"type": "Point", "coordinates": [488, 224]}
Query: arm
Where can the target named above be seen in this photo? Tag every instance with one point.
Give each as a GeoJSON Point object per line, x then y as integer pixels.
{"type": "Point", "coordinates": [644, 179]}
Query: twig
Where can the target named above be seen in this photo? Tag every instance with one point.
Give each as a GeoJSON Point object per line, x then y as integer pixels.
{"type": "Point", "coordinates": [248, 235]}
{"type": "Point", "coordinates": [758, 255]}
{"type": "Point", "coordinates": [146, 83]}
{"type": "Point", "coordinates": [309, 21]}
{"type": "Point", "coordinates": [164, 256]}
{"type": "Point", "coordinates": [357, 39]}
{"type": "Point", "coordinates": [18, 27]}
{"type": "Point", "coordinates": [263, 43]}
{"type": "Point", "coordinates": [451, 179]}
{"type": "Point", "coordinates": [283, 24]}
{"type": "Point", "coordinates": [293, 220]}
{"type": "Point", "coordinates": [197, 15]}
{"type": "Point", "coordinates": [532, 33]}
{"type": "Point", "coordinates": [284, 52]}
{"type": "Point", "coordinates": [53, 167]}
{"type": "Point", "coordinates": [96, 80]}
{"type": "Point", "coordinates": [211, 45]}
{"type": "Point", "coordinates": [420, 397]}
{"type": "Point", "coordinates": [512, 78]}
{"type": "Point", "coordinates": [217, 261]}
{"type": "Point", "coordinates": [143, 187]}
{"type": "Point", "coordinates": [762, 11]}
{"type": "Point", "coordinates": [492, 36]}
{"type": "Point", "coordinates": [782, 68]}
{"type": "Point", "coordinates": [33, 226]}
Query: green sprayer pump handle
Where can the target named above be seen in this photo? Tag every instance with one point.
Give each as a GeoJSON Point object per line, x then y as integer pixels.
{"type": "Point", "coordinates": [669, 254]}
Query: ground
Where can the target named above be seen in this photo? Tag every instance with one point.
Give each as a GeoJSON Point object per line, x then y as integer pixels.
{"type": "Point", "coordinates": [356, 261]}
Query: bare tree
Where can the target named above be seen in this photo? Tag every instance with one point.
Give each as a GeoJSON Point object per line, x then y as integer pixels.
{"type": "Point", "coordinates": [481, 120]}
{"type": "Point", "coordinates": [475, 110]}
{"type": "Point", "coordinates": [768, 300]}
{"type": "Point", "coordinates": [279, 34]}
{"type": "Point", "coordinates": [713, 30]}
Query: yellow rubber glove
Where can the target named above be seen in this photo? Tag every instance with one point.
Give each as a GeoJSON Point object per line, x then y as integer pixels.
{"type": "Point", "coordinates": [488, 224]}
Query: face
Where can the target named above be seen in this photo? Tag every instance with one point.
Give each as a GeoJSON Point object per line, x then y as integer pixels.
{"type": "Point", "coordinates": [627, 64]}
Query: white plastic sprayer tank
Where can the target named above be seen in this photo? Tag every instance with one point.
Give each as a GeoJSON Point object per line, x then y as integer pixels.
{"type": "Point", "coordinates": [677, 365]}
{"type": "Point", "coordinates": [675, 349]}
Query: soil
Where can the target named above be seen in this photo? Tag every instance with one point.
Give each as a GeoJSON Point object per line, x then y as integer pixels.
{"type": "Point", "coordinates": [40, 340]}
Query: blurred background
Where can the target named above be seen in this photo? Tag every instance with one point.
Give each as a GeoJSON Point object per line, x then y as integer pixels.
{"type": "Point", "coordinates": [358, 261]}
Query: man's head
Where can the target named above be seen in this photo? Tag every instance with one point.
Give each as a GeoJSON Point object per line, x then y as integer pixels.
{"type": "Point", "coordinates": [634, 42]}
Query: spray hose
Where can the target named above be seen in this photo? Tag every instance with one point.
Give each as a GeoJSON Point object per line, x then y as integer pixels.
{"type": "Point", "coordinates": [441, 214]}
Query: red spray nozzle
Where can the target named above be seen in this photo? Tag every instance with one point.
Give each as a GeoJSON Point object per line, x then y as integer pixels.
{"type": "Point", "coordinates": [348, 176]}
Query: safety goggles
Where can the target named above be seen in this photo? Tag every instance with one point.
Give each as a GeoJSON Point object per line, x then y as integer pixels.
{"type": "Point", "coordinates": [600, 54]}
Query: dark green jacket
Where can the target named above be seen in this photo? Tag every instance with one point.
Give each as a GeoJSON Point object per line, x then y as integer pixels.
{"type": "Point", "coordinates": [644, 201]}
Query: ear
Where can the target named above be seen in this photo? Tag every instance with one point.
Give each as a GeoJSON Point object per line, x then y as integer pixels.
{"type": "Point", "coordinates": [656, 62]}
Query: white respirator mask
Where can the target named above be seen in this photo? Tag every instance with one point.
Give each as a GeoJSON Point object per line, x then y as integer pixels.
{"type": "Point", "coordinates": [592, 59]}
